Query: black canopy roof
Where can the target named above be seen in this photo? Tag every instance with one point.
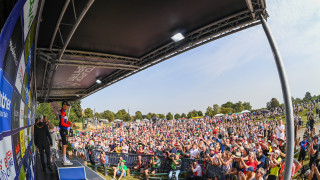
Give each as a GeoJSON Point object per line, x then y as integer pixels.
{"type": "Point", "coordinates": [80, 41]}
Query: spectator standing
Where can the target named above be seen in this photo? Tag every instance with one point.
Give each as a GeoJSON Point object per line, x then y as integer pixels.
{"type": "Point", "coordinates": [42, 140]}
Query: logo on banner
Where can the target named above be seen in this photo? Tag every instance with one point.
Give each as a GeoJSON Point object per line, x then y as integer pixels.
{"type": "Point", "coordinates": [20, 74]}
{"type": "Point", "coordinates": [22, 144]}
{"type": "Point", "coordinates": [7, 169]}
{"type": "Point", "coordinates": [15, 111]}
{"type": "Point", "coordinates": [13, 52]}
{"type": "Point", "coordinates": [29, 12]}
{"type": "Point", "coordinates": [21, 114]}
{"type": "Point", "coordinates": [17, 149]}
{"type": "Point", "coordinates": [5, 103]}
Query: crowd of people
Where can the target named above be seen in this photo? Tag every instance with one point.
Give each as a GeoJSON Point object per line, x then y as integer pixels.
{"type": "Point", "coordinates": [246, 146]}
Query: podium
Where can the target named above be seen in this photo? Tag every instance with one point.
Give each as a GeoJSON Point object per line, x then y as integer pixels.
{"type": "Point", "coordinates": [73, 172]}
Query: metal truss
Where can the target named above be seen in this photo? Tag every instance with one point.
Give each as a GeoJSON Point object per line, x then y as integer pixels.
{"type": "Point", "coordinates": [66, 42]}
{"type": "Point", "coordinates": [216, 30]}
{"type": "Point", "coordinates": [127, 66]}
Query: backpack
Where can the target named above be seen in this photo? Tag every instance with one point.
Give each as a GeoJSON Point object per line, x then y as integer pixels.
{"type": "Point", "coordinates": [266, 164]}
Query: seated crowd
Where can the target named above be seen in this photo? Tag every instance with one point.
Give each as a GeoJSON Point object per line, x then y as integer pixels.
{"type": "Point", "coordinates": [244, 146]}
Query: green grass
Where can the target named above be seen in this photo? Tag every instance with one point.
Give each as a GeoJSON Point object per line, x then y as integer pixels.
{"type": "Point", "coordinates": [110, 174]}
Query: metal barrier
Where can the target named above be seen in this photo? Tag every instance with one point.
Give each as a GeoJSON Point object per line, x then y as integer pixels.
{"type": "Point", "coordinates": [131, 159]}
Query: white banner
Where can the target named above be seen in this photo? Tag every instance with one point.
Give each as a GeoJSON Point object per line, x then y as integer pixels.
{"type": "Point", "coordinates": [29, 13]}
{"type": "Point", "coordinates": [20, 73]}
{"type": "Point", "coordinates": [22, 114]}
{"type": "Point", "coordinates": [7, 169]}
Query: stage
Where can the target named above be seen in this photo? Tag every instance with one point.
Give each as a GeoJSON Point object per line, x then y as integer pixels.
{"type": "Point", "coordinates": [53, 175]}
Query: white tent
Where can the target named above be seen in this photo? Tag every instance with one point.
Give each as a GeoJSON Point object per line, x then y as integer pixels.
{"type": "Point", "coordinates": [146, 120]}
{"type": "Point", "coordinates": [245, 111]}
{"type": "Point", "coordinates": [218, 115]}
{"type": "Point", "coordinates": [118, 120]}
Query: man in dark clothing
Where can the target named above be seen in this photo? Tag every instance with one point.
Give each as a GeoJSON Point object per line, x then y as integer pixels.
{"type": "Point", "coordinates": [43, 141]}
{"type": "Point", "coordinates": [314, 148]}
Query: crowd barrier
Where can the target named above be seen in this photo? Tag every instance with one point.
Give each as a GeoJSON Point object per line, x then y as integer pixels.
{"type": "Point", "coordinates": [131, 159]}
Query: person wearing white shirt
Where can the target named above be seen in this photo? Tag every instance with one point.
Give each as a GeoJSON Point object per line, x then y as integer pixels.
{"type": "Point", "coordinates": [280, 130]}
{"type": "Point", "coordinates": [194, 152]}
{"type": "Point", "coordinates": [196, 170]}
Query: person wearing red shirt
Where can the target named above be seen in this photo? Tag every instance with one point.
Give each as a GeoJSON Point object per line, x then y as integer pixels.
{"type": "Point", "coordinates": [250, 163]}
{"type": "Point", "coordinates": [64, 124]}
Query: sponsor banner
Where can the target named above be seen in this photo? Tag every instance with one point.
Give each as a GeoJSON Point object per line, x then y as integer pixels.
{"type": "Point", "coordinates": [29, 42]}
{"type": "Point", "coordinates": [29, 13]}
{"type": "Point", "coordinates": [13, 52]}
{"type": "Point", "coordinates": [7, 169]}
{"type": "Point", "coordinates": [22, 143]}
{"type": "Point", "coordinates": [29, 118]}
{"type": "Point", "coordinates": [25, 116]}
{"type": "Point", "coordinates": [26, 144]}
{"type": "Point", "coordinates": [26, 98]}
{"type": "Point", "coordinates": [22, 175]}
{"type": "Point", "coordinates": [21, 120]}
{"type": "Point", "coordinates": [17, 149]}
{"type": "Point", "coordinates": [28, 65]}
{"type": "Point", "coordinates": [15, 111]}
{"type": "Point", "coordinates": [6, 92]}
{"type": "Point", "coordinates": [20, 74]}
{"type": "Point", "coordinates": [24, 86]}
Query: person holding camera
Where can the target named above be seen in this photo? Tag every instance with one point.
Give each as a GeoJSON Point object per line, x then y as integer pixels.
{"type": "Point", "coordinates": [196, 171]}
{"type": "Point", "coordinates": [153, 166]}
{"type": "Point", "coordinates": [175, 166]}
{"type": "Point", "coordinates": [275, 162]}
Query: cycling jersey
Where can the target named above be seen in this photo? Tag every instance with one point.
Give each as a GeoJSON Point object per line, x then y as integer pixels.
{"type": "Point", "coordinates": [64, 123]}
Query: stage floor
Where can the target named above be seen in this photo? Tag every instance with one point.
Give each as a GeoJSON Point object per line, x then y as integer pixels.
{"type": "Point", "coordinates": [53, 175]}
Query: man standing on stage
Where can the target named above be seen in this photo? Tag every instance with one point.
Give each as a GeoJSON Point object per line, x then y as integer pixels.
{"type": "Point", "coordinates": [42, 139]}
{"type": "Point", "coordinates": [64, 124]}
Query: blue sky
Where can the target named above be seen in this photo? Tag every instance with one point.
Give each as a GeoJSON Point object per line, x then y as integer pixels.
{"type": "Point", "coordinates": [239, 67]}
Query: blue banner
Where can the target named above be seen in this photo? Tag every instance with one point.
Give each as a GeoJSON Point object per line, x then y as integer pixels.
{"type": "Point", "coordinates": [6, 92]}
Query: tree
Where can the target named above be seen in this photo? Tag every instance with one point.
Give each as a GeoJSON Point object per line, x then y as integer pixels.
{"type": "Point", "coordinates": [46, 110]}
{"type": "Point", "coordinates": [138, 115]}
{"type": "Point", "coordinates": [247, 106]}
{"type": "Point", "coordinates": [127, 117]}
{"type": "Point", "coordinates": [161, 116]}
{"type": "Point", "coordinates": [97, 115]}
{"type": "Point", "coordinates": [307, 97]}
{"type": "Point", "coordinates": [228, 104]}
{"type": "Point", "coordinates": [121, 114]}
{"type": "Point", "coordinates": [88, 112]}
{"type": "Point", "coordinates": [209, 111]}
{"type": "Point", "coordinates": [177, 116]}
{"type": "Point", "coordinates": [169, 116]}
{"type": "Point", "coordinates": [190, 114]}
{"type": "Point", "coordinates": [148, 116]}
{"type": "Point", "coordinates": [183, 115]}
{"type": "Point", "coordinates": [224, 110]}
{"type": "Point", "coordinates": [273, 103]}
{"type": "Point", "coordinates": [200, 113]}
{"type": "Point", "coordinates": [76, 108]}
{"type": "Point", "coordinates": [216, 109]}
{"type": "Point", "coordinates": [238, 107]}
{"type": "Point", "coordinates": [107, 115]}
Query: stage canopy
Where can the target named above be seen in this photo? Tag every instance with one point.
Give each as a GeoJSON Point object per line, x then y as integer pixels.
{"type": "Point", "coordinates": [86, 45]}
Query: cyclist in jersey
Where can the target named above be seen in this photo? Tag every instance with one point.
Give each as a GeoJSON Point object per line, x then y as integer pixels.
{"type": "Point", "coordinates": [64, 124]}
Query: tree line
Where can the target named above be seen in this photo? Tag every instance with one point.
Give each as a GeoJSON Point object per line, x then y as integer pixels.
{"type": "Point", "coordinates": [226, 108]}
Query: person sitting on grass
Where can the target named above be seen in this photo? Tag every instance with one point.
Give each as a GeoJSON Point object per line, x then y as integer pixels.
{"type": "Point", "coordinates": [120, 170]}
